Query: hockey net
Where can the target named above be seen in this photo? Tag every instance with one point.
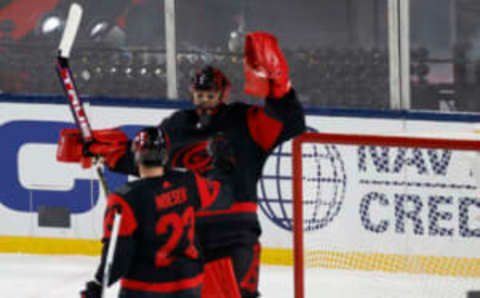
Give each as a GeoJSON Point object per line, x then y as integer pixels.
{"type": "Point", "coordinates": [385, 216]}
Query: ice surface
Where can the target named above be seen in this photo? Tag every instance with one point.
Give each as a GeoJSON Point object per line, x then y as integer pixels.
{"type": "Point", "coordinates": [47, 276]}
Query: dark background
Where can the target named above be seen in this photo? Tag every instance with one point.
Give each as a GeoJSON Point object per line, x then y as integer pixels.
{"type": "Point", "coordinates": [337, 50]}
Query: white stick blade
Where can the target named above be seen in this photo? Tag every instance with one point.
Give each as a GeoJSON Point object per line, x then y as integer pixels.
{"type": "Point", "coordinates": [70, 31]}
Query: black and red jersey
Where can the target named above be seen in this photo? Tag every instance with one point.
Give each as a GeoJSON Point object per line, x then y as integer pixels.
{"type": "Point", "coordinates": [156, 249]}
{"type": "Point", "coordinates": [252, 132]}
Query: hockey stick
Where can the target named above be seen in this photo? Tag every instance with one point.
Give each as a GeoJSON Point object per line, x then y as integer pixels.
{"type": "Point", "coordinates": [66, 78]}
{"type": "Point", "coordinates": [76, 106]}
{"type": "Point", "coordinates": [101, 177]}
{"type": "Point", "coordinates": [74, 19]}
{"type": "Point", "coordinates": [117, 219]}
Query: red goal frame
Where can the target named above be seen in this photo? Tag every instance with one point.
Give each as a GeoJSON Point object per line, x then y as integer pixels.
{"type": "Point", "coordinates": [349, 139]}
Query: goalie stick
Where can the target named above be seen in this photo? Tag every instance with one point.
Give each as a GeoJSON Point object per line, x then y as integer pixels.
{"type": "Point", "coordinates": [76, 106]}
{"type": "Point", "coordinates": [117, 219]}
{"type": "Point", "coordinates": [66, 79]}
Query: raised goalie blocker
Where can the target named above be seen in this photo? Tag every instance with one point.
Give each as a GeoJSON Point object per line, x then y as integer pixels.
{"type": "Point", "coordinates": [109, 143]}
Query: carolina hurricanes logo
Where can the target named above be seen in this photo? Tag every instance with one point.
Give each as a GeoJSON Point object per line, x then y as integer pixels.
{"type": "Point", "coordinates": [193, 157]}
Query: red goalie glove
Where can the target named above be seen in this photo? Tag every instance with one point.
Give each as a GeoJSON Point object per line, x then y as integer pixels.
{"type": "Point", "coordinates": [266, 69]}
{"type": "Point", "coordinates": [110, 144]}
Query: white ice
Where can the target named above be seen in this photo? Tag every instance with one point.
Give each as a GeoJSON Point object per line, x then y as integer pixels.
{"type": "Point", "coordinates": [53, 276]}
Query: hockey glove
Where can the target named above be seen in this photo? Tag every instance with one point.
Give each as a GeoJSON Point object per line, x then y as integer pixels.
{"type": "Point", "coordinates": [70, 148]}
{"type": "Point", "coordinates": [266, 69]}
{"type": "Point", "coordinates": [110, 144]}
{"type": "Point", "coordinates": [93, 289]}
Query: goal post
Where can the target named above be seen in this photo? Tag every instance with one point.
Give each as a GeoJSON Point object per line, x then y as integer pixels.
{"type": "Point", "coordinates": [414, 209]}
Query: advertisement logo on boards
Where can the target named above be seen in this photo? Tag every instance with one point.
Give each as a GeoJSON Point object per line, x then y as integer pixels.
{"type": "Point", "coordinates": [80, 197]}
{"type": "Point", "coordinates": [394, 190]}
{"type": "Point", "coordinates": [324, 183]}
{"type": "Point", "coordinates": [418, 191]}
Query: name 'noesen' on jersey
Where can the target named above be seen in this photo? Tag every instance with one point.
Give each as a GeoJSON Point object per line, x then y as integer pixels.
{"type": "Point", "coordinates": [252, 132]}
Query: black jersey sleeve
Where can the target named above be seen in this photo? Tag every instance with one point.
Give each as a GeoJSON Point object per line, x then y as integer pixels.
{"type": "Point", "coordinates": [279, 120]}
{"type": "Point", "coordinates": [125, 246]}
{"type": "Point", "coordinates": [171, 124]}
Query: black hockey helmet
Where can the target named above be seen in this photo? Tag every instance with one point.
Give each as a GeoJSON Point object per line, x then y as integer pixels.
{"type": "Point", "coordinates": [150, 147]}
{"type": "Point", "coordinates": [211, 78]}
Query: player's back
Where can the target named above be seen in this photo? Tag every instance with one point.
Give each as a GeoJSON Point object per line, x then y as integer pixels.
{"type": "Point", "coordinates": [165, 251]}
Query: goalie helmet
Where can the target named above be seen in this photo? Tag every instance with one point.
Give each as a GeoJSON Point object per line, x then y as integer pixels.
{"type": "Point", "coordinates": [210, 78]}
{"type": "Point", "coordinates": [150, 147]}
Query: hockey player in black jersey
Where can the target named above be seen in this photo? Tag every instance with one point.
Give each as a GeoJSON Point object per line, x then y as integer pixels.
{"type": "Point", "coordinates": [240, 137]}
{"type": "Point", "coordinates": [156, 255]}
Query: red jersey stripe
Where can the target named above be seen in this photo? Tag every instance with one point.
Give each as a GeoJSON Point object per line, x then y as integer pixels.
{"type": "Point", "coordinates": [163, 287]}
{"type": "Point", "coordinates": [263, 129]}
{"type": "Point", "coordinates": [236, 208]}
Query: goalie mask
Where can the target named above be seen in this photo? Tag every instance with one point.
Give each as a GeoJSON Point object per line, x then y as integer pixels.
{"type": "Point", "coordinates": [150, 147]}
{"type": "Point", "coordinates": [210, 78]}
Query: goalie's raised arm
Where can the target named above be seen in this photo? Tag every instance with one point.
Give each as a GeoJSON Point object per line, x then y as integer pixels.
{"type": "Point", "coordinates": [266, 69]}
{"type": "Point", "coordinates": [266, 75]}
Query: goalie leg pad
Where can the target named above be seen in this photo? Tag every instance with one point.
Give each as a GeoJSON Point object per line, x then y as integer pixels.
{"type": "Point", "coordinates": [249, 281]}
{"type": "Point", "coordinates": [220, 280]}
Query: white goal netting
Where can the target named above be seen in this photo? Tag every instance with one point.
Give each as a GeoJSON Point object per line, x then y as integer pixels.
{"type": "Point", "coordinates": [390, 221]}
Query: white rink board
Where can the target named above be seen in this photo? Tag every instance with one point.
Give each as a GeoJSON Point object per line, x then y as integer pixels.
{"type": "Point", "coordinates": [31, 177]}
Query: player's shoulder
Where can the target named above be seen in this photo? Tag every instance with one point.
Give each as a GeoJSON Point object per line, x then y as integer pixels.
{"type": "Point", "coordinates": [234, 110]}
{"type": "Point", "coordinates": [241, 108]}
{"type": "Point", "coordinates": [179, 117]}
{"type": "Point", "coordinates": [126, 189]}
{"type": "Point", "coordinates": [182, 113]}
{"type": "Point", "coordinates": [238, 106]}
{"type": "Point", "coordinates": [180, 174]}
